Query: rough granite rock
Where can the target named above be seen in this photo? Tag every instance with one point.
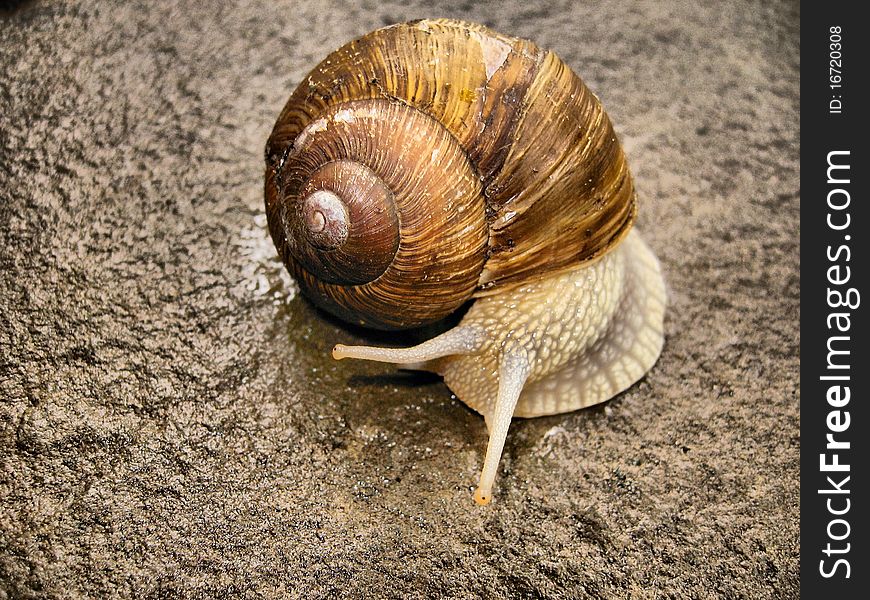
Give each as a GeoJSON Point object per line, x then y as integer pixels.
{"type": "Point", "coordinates": [171, 424]}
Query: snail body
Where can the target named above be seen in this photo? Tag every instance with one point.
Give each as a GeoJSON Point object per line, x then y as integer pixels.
{"type": "Point", "coordinates": [433, 162]}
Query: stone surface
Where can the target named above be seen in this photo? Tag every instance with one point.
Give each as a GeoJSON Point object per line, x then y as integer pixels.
{"type": "Point", "coordinates": [171, 424]}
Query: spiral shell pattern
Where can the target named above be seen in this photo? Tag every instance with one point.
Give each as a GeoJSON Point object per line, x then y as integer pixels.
{"type": "Point", "coordinates": [430, 162]}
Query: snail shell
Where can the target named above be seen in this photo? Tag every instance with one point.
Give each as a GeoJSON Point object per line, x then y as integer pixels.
{"type": "Point", "coordinates": [432, 162]}
{"type": "Point", "coordinates": [467, 161]}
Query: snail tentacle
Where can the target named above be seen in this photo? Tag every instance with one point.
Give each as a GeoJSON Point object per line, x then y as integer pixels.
{"type": "Point", "coordinates": [513, 371]}
{"type": "Point", "coordinates": [462, 339]}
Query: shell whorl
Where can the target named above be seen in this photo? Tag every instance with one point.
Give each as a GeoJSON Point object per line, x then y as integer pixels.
{"type": "Point", "coordinates": [485, 150]}
{"type": "Point", "coordinates": [364, 207]}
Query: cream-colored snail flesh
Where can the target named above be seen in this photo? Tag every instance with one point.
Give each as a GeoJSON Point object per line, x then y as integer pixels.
{"type": "Point", "coordinates": [430, 163]}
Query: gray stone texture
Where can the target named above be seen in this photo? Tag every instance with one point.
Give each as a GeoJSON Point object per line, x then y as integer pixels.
{"type": "Point", "coordinates": [171, 424]}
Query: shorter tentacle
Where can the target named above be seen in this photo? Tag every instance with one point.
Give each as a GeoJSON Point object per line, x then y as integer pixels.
{"type": "Point", "coordinates": [459, 340]}
{"type": "Point", "coordinates": [513, 371]}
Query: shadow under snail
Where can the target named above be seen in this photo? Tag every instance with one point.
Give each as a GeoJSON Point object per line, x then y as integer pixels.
{"type": "Point", "coordinates": [432, 162]}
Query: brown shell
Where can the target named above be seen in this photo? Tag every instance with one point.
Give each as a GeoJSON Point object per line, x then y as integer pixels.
{"type": "Point", "coordinates": [556, 189]}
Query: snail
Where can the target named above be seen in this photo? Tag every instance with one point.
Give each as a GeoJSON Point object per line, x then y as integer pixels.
{"type": "Point", "coordinates": [435, 162]}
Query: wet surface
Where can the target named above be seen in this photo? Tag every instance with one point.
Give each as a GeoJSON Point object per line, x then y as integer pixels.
{"type": "Point", "coordinates": [171, 424]}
